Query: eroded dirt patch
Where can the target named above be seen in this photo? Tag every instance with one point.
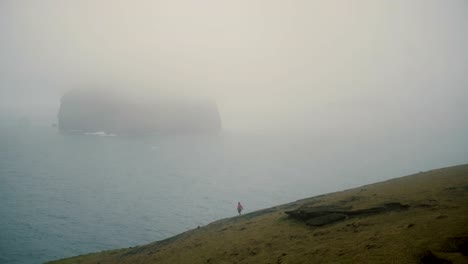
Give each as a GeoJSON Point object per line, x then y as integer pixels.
{"type": "Point", "coordinates": [456, 244]}
{"type": "Point", "coordinates": [429, 258]}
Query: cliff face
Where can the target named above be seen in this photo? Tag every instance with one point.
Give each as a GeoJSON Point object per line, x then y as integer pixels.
{"type": "Point", "coordinates": [95, 111]}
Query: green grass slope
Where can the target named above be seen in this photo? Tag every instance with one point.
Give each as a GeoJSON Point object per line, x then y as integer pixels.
{"type": "Point", "coordinates": [434, 229]}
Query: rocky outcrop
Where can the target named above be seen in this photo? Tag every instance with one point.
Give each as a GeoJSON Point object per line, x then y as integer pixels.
{"type": "Point", "coordinates": [323, 215]}
{"type": "Point", "coordinates": [104, 111]}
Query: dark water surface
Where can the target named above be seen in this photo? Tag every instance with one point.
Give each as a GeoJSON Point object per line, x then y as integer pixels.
{"type": "Point", "coordinates": [64, 195]}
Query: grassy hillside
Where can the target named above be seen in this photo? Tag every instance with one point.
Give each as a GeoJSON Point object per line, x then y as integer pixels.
{"type": "Point", "coordinates": [431, 226]}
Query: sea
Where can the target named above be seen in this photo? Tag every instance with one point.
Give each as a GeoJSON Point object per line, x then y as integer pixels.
{"type": "Point", "coordinates": [63, 195]}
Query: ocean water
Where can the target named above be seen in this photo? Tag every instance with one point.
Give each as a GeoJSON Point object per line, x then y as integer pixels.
{"type": "Point", "coordinates": [65, 195]}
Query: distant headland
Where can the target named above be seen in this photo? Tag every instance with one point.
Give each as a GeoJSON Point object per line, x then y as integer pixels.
{"type": "Point", "coordinates": [110, 113]}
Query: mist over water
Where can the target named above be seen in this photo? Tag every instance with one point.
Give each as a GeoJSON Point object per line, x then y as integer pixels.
{"type": "Point", "coordinates": [64, 195]}
{"type": "Point", "coordinates": [314, 97]}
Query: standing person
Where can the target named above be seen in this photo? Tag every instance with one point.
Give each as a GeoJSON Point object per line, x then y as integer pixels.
{"type": "Point", "coordinates": [239, 208]}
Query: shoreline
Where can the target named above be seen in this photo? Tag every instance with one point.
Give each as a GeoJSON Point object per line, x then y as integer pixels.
{"type": "Point", "coordinates": [435, 210]}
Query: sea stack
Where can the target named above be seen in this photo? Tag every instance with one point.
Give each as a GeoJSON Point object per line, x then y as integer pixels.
{"type": "Point", "coordinates": [91, 111]}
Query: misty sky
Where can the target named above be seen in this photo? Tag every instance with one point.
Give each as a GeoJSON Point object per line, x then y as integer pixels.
{"type": "Point", "coordinates": [305, 65]}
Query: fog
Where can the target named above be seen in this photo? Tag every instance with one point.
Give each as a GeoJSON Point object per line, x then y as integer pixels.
{"type": "Point", "coordinates": [314, 96]}
{"type": "Point", "coordinates": [359, 68]}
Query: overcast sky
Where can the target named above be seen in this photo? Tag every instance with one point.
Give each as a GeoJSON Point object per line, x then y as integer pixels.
{"type": "Point", "coordinates": [268, 63]}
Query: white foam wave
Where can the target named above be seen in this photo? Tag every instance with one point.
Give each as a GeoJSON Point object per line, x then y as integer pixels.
{"type": "Point", "coordinates": [100, 133]}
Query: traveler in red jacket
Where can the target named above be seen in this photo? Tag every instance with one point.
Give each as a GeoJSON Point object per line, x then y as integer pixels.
{"type": "Point", "coordinates": [239, 208]}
